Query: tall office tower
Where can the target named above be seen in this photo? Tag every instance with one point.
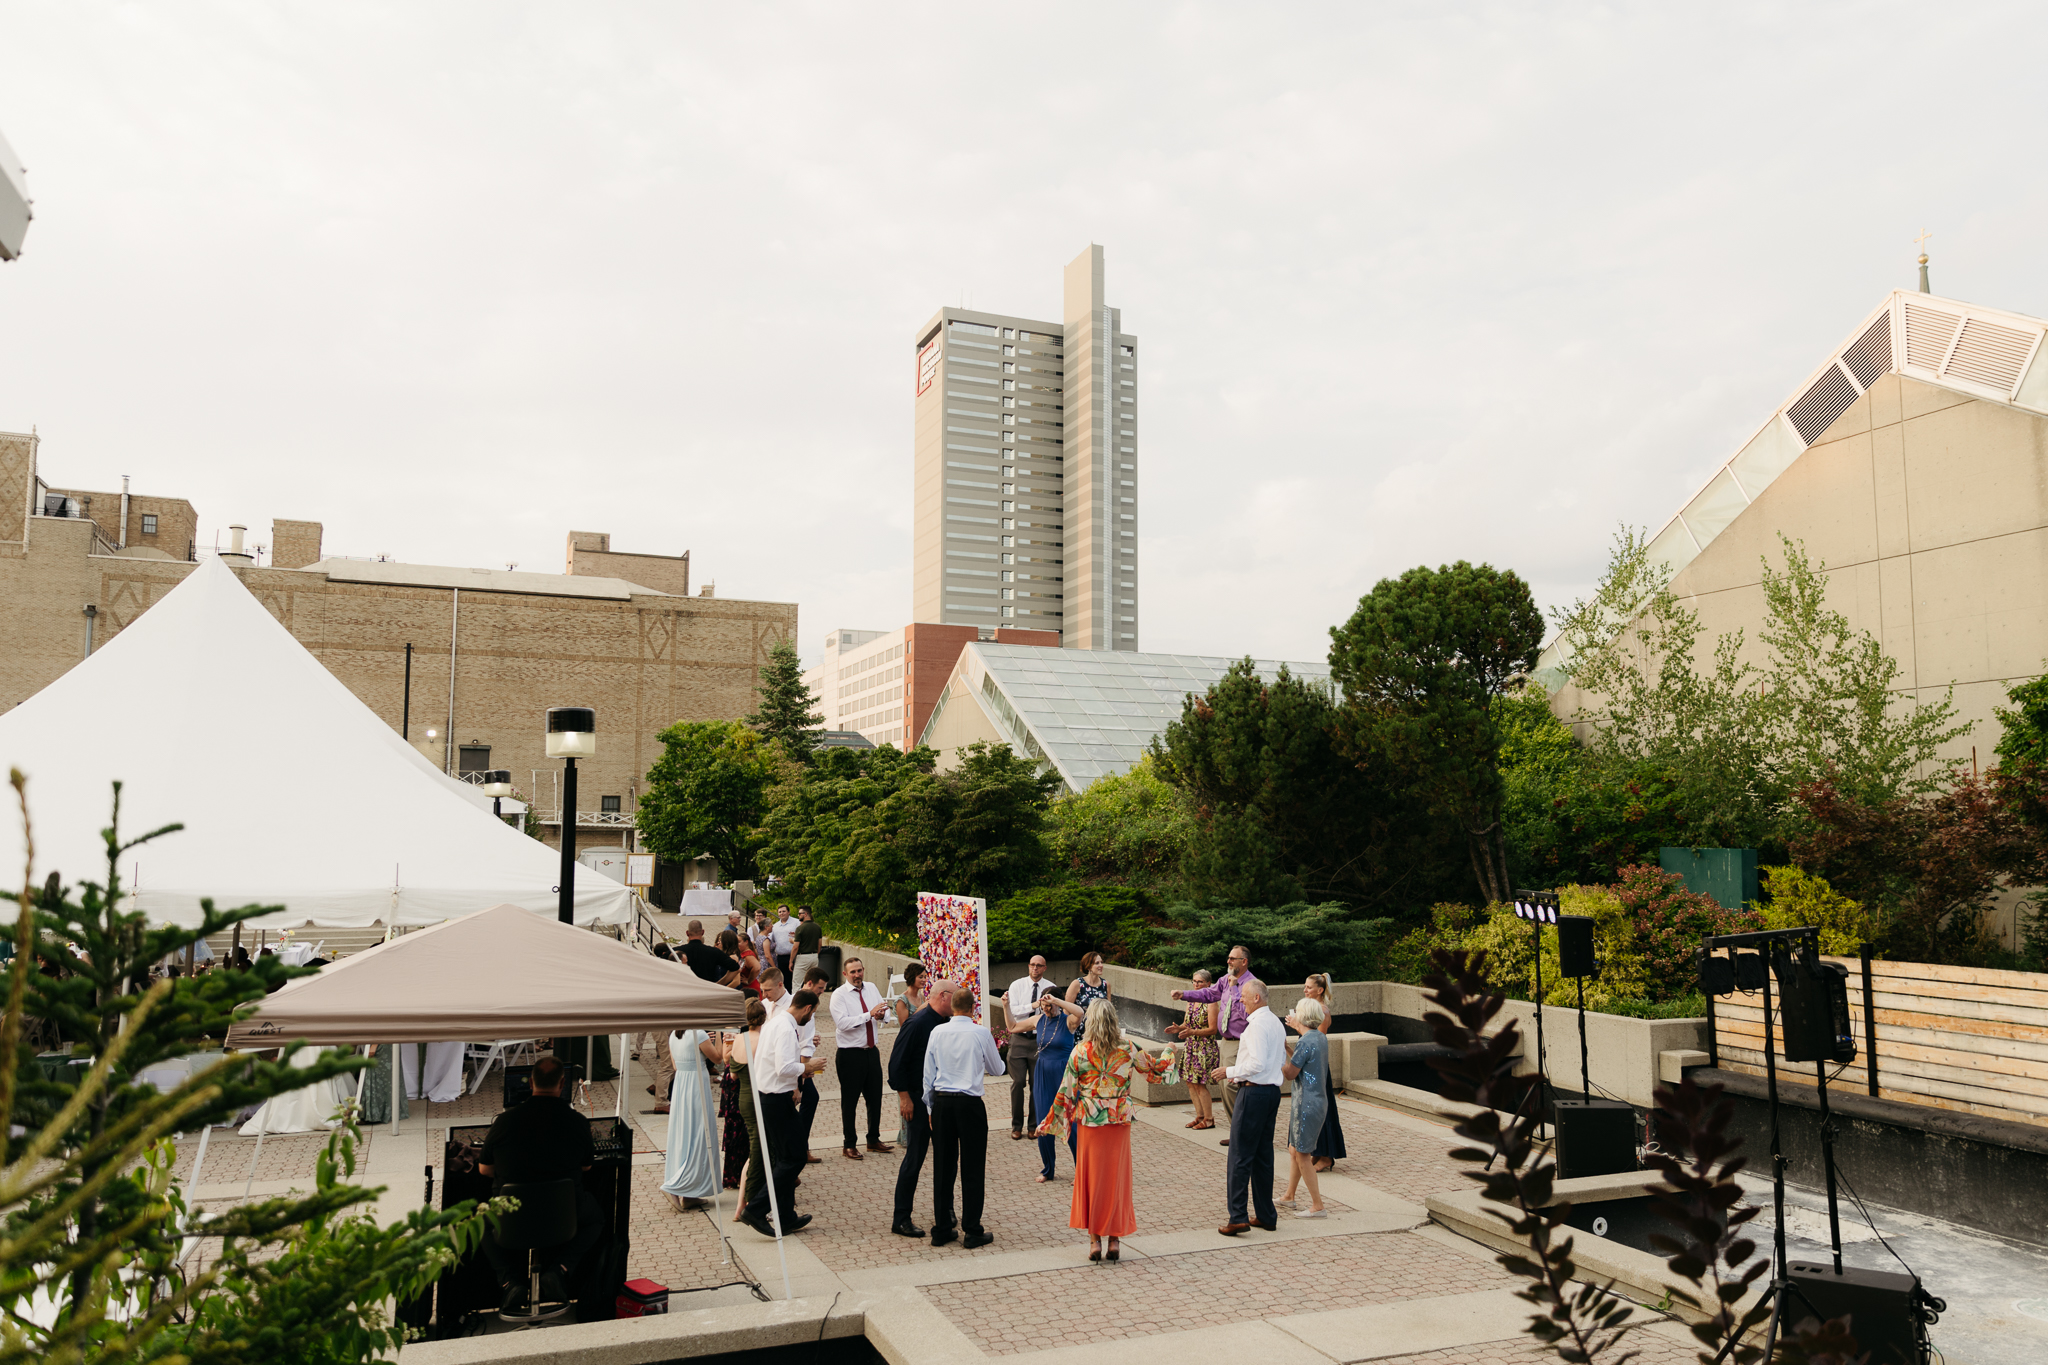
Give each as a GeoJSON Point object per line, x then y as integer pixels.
{"type": "Point", "coordinates": [1027, 469]}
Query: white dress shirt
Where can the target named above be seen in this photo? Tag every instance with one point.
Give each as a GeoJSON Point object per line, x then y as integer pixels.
{"type": "Point", "coordinates": [1022, 995]}
{"type": "Point", "coordinates": [1261, 1051]}
{"type": "Point", "coordinates": [782, 933]}
{"type": "Point", "coordinates": [959, 1054]}
{"type": "Point", "coordinates": [850, 1020]}
{"type": "Point", "coordinates": [778, 1064]}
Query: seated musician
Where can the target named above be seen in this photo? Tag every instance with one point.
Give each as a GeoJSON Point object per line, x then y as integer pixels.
{"type": "Point", "coordinates": [542, 1139]}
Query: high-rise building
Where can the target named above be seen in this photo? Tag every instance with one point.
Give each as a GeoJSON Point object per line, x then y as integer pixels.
{"type": "Point", "coordinates": [1027, 469]}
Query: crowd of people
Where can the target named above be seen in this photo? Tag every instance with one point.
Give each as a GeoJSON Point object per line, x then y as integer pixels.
{"type": "Point", "coordinates": [1069, 1063]}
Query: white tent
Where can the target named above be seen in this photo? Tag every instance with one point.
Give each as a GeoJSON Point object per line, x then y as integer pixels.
{"type": "Point", "coordinates": [291, 790]}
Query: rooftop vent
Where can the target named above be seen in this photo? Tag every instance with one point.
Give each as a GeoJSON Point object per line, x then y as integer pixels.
{"type": "Point", "coordinates": [1991, 355]}
{"type": "Point", "coordinates": [1871, 356]}
{"type": "Point", "coordinates": [1928, 333]}
{"type": "Point", "coordinates": [1820, 405]}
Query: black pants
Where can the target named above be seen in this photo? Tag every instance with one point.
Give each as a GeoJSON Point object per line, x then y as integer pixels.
{"type": "Point", "coordinates": [782, 965]}
{"type": "Point", "coordinates": [1023, 1061]}
{"type": "Point", "coordinates": [917, 1139]}
{"type": "Point", "coordinates": [806, 1110]}
{"type": "Point", "coordinates": [959, 1144]}
{"type": "Point", "coordinates": [1251, 1153]}
{"type": "Point", "coordinates": [781, 1148]}
{"type": "Point", "coordinates": [510, 1265]}
{"type": "Point", "coordinates": [860, 1077]}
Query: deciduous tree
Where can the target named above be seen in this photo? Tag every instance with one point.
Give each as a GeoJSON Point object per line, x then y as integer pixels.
{"type": "Point", "coordinates": [708, 793]}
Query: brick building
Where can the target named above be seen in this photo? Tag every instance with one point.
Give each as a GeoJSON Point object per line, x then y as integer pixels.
{"type": "Point", "coordinates": [618, 632]}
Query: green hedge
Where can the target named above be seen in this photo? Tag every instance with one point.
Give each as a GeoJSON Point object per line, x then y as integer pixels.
{"type": "Point", "coordinates": [1066, 921]}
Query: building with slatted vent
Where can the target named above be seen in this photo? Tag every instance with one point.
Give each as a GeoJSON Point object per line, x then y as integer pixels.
{"type": "Point", "coordinates": [1914, 463]}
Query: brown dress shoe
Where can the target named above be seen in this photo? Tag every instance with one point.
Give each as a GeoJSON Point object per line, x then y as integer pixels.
{"type": "Point", "coordinates": [1232, 1229]}
{"type": "Point", "coordinates": [1267, 1227]}
{"type": "Point", "coordinates": [853, 1154]}
{"type": "Point", "coordinates": [881, 1147]}
{"type": "Point", "coordinates": [812, 1158]}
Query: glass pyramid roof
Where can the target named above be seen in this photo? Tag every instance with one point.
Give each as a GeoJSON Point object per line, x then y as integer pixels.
{"type": "Point", "coordinates": [1091, 713]}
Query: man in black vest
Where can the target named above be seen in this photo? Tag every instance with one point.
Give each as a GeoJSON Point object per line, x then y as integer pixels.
{"type": "Point", "coordinates": [906, 1078]}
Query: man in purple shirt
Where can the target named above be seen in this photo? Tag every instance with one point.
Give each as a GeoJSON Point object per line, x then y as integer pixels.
{"type": "Point", "coordinates": [1229, 989]}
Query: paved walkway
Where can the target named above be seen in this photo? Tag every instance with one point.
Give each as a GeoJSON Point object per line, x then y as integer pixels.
{"type": "Point", "coordinates": [1375, 1281]}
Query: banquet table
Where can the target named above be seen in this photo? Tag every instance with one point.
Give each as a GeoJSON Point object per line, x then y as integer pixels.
{"type": "Point", "coordinates": [441, 1081]}
{"type": "Point", "coordinates": [295, 954]}
{"type": "Point", "coordinates": [708, 902]}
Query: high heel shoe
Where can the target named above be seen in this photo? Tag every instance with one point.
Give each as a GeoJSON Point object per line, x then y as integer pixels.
{"type": "Point", "coordinates": [1114, 1248]}
{"type": "Point", "coordinates": [1094, 1253]}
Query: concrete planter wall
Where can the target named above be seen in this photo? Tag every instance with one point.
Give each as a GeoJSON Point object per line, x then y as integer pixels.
{"type": "Point", "coordinates": [1622, 1053]}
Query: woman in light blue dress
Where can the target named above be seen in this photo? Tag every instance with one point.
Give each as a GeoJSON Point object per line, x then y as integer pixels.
{"type": "Point", "coordinates": [690, 1177]}
{"type": "Point", "coordinates": [1308, 1068]}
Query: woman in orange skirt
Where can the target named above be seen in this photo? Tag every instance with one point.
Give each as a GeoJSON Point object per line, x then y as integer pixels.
{"type": "Point", "coordinates": [1095, 1093]}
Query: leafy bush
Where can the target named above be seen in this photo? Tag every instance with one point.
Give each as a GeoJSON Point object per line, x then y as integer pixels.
{"type": "Point", "coordinates": [1130, 827]}
{"type": "Point", "coordinates": [1670, 921]}
{"type": "Point", "coordinates": [1285, 943]}
{"type": "Point", "coordinates": [1511, 952]}
{"type": "Point", "coordinates": [1065, 921]}
{"type": "Point", "coordinates": [1796, 898]}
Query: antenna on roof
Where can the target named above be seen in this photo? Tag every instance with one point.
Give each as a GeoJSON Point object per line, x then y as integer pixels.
{"type": "Point", "coordinates": [1921, 242]}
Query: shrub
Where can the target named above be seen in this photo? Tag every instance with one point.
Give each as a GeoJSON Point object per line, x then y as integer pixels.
{"type": "Point", "coordinates": [1511, 952]}
{"type": "Point", "coordinates": [1288, 942]}
{"type": "Point", "coordinates": [1064, 921]}
{"type": "Point", "coordinates": [1798, 898]}
{"type": "Point", "coordinates": [1670, 921]}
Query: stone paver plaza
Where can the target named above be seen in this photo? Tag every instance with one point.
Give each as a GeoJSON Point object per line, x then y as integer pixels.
{"type": "Point", "coordinates": [1376, 1281]}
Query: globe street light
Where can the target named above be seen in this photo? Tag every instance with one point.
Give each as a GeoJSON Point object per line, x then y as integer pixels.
{"type": "Point", "coordinates": [497, 785]}
{"type": "Point", "coordinates": [572, 734]}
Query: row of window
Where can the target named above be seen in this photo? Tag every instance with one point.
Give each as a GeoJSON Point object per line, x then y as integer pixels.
{"type": "Point", "coordinates": [876, 660]}
{"type": "Point", "coordinates": [1006, 333]}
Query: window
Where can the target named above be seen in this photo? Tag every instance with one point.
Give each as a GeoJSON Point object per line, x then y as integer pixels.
{"type": "Point", "coordinates": [1009, 576]}
{"type": "Point", "coordinates": [1009, 350]}
{"type": "Point", "coordinates": [1009, 488]}
{"type": "Point", "coordinates": [1009, 593]}
{"type": "Point", "coordinates": [1009, 384]}
{"type": "Point", "coordinates": [149, 523]}
{"type": "Point", "coordinates": [1009, 559]}
{"type": "Point", "coordinates": [473, 758]}
{"type": "Point", "coordinates": [1008, 525]}
{"type": "Point", "coordinates": [1009, 402]}
{"type": "Point", "coordinates": [608, 804]}
{"type": "Point", "coordinates": [1008, 333]}
{"type": "Point", "coordinates": [1009, 472]}
{"type": "Point", "coordinates": [1009, 368]}
{"type": "Point", "coordinates": [1009, 540]}
{"type": "Point", "coordinates": [1124, 349]}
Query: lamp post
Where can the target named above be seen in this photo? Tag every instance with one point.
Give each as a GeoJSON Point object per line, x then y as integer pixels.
{"type": "Point", "coordinates": [572, 734]}
{"type": "Point", "coordinates": [497, 785]}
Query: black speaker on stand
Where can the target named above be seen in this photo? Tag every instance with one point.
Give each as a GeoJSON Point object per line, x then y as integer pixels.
{"type": "Point", "coordinates": [1594, 1136]}
{"type": "Point", "coordinates": [1889, 1312]}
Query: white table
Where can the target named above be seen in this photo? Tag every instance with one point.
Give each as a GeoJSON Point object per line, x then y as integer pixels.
{"type": "Point", "coordinates": [295, 954]}
{"type": "Point", "coordinates": [714, 903]}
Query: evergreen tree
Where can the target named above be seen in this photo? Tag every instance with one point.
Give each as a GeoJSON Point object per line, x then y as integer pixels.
{"type": "Point", "coordinates": [786, 706]}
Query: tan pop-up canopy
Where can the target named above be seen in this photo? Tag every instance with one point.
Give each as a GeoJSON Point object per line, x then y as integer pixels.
{"type": "Point", "coordinates": [499, 973]}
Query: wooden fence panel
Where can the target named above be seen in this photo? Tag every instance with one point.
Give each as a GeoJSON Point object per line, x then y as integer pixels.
{"type": "Point", "coordinates": [1959, 1038]}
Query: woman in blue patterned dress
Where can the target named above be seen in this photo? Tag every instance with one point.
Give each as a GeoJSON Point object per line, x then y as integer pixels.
{"type": "Point", "coordinates": [1308, 1068]}
{"type": "Point", "coordinates": [1056, 1019]}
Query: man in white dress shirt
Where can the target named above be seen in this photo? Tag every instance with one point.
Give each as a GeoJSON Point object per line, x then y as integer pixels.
{"type": "Point", "coordinates": [1261, 1051]}
{"type": "Point", "coordinates": [857, 1013]}
{"type": "Point", "coordinates": [775, 1072]}
{"type": "Point", "coordinates": [782, 939]}
{"type": "Point", "coordinates": [959, 1054]}
{"type": "Point", "coordinates": [1020, 1008]}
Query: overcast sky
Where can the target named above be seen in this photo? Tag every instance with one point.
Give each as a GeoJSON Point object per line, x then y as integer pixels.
{"type": "Point", "coordinates": [1413, 283]}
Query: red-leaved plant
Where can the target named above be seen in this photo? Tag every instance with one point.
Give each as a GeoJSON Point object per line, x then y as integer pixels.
{"type": "Point", "coordinates": [1670, 921]}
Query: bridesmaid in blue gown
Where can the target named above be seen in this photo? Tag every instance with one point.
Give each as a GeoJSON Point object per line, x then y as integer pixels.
{"type": "Point", "coordinates": [1055, 1045]}
{"type": "Point", "coordinates": [689, 1176]}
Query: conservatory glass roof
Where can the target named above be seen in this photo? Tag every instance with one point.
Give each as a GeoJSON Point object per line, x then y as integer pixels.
{"type": "Point", "coordinates": [1089, 713]}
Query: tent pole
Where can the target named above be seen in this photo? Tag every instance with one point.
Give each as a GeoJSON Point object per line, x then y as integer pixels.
{"type": "Point", "coordinates": [625, 1073]}
{"type": "Point", "coordinates": [262, 1127]}
{"type": "Point", "coordinates": [768, 1175]}
{"type": "Point", "coordinates": [198, 1164]}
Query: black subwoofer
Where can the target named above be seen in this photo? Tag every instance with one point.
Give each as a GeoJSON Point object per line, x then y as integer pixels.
{"type": "Point", "coordinates": [1878, 1303]}
{"type": "Point", "coordinates": [1595, 1137]}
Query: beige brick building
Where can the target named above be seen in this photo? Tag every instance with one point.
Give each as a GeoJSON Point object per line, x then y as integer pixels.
{"type": "Point", "coordinates": [618, 632]}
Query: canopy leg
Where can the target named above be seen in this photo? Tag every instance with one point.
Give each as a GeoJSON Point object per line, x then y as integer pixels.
{"type": "Point", "coordinates": [625, 1073]}
{"type": "Point", "coordinates": [768, 1182]}
{"type": "Point", "coordinates": [192, 1183]}
{"type": "Point", "coordinates": [262, 1127]}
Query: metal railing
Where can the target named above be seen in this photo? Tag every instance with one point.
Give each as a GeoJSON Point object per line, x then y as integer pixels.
{"type": "Point", "coordinates": [590, 819]}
